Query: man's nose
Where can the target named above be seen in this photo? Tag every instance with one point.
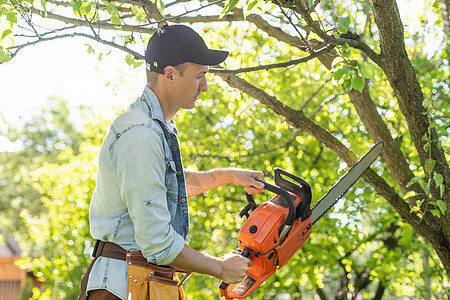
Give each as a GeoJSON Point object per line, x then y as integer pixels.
{"type": "Point", "coordinates": [203, 87]}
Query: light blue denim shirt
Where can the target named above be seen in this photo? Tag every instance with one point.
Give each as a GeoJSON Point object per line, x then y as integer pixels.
{"type": "Point", "coordinates": [139, 201]}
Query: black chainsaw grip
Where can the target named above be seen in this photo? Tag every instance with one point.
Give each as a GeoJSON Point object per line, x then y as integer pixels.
{"type": "Point", "coordinates": [290, 201]}
{"type": "Point", "coordinates": [245, 253]}
{"type": "Point", "coordinates": [301, 189]}
{"type": "Point", "coordinates": [277, 190]}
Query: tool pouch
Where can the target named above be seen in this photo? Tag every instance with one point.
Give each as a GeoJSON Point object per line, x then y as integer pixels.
{"type": "Point", "coordinates": [137, 282]}
{"type": "Point", "coordinates": [161, 288]}
{"type": "Point", "coordinates": [146, 281]}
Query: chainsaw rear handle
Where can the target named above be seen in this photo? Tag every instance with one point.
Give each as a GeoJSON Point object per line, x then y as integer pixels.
{"type": "Point", "coordinates": [245, 253]}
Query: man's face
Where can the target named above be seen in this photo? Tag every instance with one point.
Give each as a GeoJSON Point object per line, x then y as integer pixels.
{"type": "Point", "coordinates": [189, 84]}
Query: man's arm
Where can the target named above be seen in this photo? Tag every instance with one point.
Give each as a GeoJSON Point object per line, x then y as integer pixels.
{"type": "Point", "coordinates": [198, 182]}
{"type": "Point", "coordinates": [230, 268]}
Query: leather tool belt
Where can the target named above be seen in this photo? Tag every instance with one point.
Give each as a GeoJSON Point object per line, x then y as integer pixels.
{"type": "Point", "coordinates": [145, 281]}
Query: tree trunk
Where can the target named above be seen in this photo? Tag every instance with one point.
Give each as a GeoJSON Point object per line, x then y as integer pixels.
{"type": "Point", "coordinates": [402, 77]}
{"type": "Point", "coordinates": [445, 12]}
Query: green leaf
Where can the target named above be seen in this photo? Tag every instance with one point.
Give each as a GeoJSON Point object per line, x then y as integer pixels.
{"type": "Point", "coordinates": [435, 212]}
{"type": "Point", "coordinates": [89, 49]}
{"type": "Point", "coordinates": [137, 63]}
{"type": "Point", "coordinates": [412, 181]}
{"type": "Point", "coordinates": [251, 5]}
{"type": "Point", "coordinates": [410, 194]}
{"type": "Point", "coordinates": [429, 165]}
{"type": "Point", "coordinates": [337, 61]}
{"type": "Point", "coordinates": [11, 17]}
{"type": "Point", "coordinates": [86, 8]}
{"type": "Point", "coordinates": [76, 7]}
{"type": "Point", "coordinates": [337, 75]}
{"type": "Point", "coordinates": [44, 3]}
{"type": "Point", "coordinates": [442, 206]}
{"type": "Point", "coordinates": [248, 8]}
{"type": "Point", "coordinates": [367, 70]}
{"type": "Point", "coordinates": [438, 178]}
{"type": "Point", "coordinates": [116, 20]}
{"type": "Point", "coordinates": [230, 4]}
{"type": "Point", "coordinates": [427, 103]}
{"type": "Point", "coordinates": [442, 187]}
{"type": "Point", "coordinates": [4, 57]}
{"type": "Point", "coordinates": [358, 83]}
{"type": "Point", "coordinates": [345, 47]}
{"type": "Point", "coordinates": [353, 63]}
{"type": "Point", "coordinates": [346, 54]}
{"type": "Point", "coordinates": [129, 59]}
{"type": "Point", "coordinates": [348, 84]}
{"type": "Point", "coordinates": [5, 33]}
{"type": "Point", "coordinates": [344, 23]}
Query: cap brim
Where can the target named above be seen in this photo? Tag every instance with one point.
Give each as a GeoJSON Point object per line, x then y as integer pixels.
{"type": "Point", "coordinates": [211, 57]}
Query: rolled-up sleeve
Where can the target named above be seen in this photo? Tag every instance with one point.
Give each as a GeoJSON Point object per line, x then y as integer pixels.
{"type": "Point", "coordinates": [139, 162]}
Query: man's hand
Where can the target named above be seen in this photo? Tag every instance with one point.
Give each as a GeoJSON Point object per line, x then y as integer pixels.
{"type": "Point", "coordinates": [199, 181]}
{"type": "Point", "coordinates": [230, 268]}
{"type": "Point", "coordinates": [248, 179]}
{"type": "Point", "coordinates": [234, 267]}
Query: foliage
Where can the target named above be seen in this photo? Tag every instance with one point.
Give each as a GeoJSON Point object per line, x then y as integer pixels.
{"type": "Point", "coordinates": [383, 239]}
{"type": "Point", "coordinates": [58, 185]}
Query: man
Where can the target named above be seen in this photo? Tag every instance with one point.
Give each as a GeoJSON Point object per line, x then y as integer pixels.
{"type": "Point", "coordinates": [140, 199]}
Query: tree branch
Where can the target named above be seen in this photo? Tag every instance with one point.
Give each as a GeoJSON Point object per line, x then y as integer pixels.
{"type": "Point", "coordinates": [305, 13]}
{"type": "Point", "coordinates": [277, 65]}
{"type": "Point", "coordinates": [97, 39]}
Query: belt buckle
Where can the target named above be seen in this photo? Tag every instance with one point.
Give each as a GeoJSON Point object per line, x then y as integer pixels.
{"type": "Point", "coordinates": [97, 244]}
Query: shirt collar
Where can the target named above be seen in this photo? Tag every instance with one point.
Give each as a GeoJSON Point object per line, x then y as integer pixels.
{"type": "Point", "coordinates": [156, 112]}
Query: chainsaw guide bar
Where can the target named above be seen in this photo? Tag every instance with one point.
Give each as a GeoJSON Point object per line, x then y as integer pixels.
{"type": "Point", "coordinates": [346, 181]}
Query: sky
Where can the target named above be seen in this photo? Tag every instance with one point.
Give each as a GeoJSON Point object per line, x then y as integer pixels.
{"type": "Point", "coordinates": [64, 69]}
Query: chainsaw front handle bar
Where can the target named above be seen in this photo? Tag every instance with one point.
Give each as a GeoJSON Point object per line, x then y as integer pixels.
{"type": "Point", "coordinates": [287, 224]}
{"type": "Point", "coordinates": [297, 186]}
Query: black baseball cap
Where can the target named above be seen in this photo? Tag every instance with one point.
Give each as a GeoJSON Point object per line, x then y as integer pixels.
{"type": "Point", "coordinates": [176, 44]}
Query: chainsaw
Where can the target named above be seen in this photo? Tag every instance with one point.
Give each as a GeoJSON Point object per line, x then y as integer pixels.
{"type": "Point", "coordinates": [276, 229]}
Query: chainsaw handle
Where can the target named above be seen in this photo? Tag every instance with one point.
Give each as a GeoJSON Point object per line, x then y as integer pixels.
{"type": "Point", "coordinates": [277, 190]}
{"type": "Point", "coordinates": [245, 253]}
{"type": "Point", "coordinates": [287, 224]}
{"type": "Point", "coordinates": [299, 187]}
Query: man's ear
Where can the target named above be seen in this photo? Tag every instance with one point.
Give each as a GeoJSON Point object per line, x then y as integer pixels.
{"type": "Point", "coordinates": [168, 73]}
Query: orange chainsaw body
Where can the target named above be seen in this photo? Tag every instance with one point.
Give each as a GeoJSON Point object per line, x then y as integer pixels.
{"type": "Point", "coordinates": [260, 236]}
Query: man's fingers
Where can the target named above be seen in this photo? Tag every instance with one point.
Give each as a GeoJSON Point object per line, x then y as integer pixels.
{"type": "Point", "coordinates": [249, 263]}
